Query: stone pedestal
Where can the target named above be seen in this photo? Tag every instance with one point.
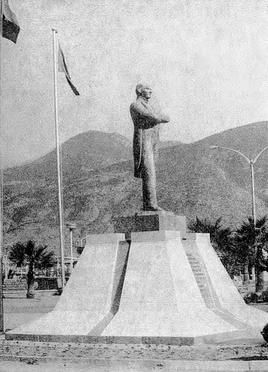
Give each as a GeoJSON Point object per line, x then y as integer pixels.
{"type": "Point", "coordinates": [160, 285]}
{"type": "Point", "coordinates": [161, 297]}
{"type": "Point", "coordinates": [150, 221]}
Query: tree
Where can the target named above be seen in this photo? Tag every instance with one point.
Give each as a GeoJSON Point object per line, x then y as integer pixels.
{"type": "Point", "coordinates": [238, 250]}
{"type": "Point", "coordinates": [250, 241]}
{"type": "Point", "coordinates": [35, 257]}
{"type": "Point", "coordinates": [221, 240]}
{"type": "Point", "coordinates": [219, 235]}
{"type": "Point", "coordinates": [205, 226]}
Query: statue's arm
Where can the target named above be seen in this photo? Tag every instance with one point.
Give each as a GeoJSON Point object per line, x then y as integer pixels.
{"type": "Point", "coordinates": [146, 112]}
{"type": "Point", "coordinates": [164, 118]}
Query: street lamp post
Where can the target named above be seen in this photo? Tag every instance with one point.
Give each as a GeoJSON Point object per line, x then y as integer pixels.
{"type": "Point", "coordinates": [71, 227]}
{"type": "Point", "coordinates": [251, 163]}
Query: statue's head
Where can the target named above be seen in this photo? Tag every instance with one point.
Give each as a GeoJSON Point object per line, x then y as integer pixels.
{"type": "Point", "coordinates": [143, 90]}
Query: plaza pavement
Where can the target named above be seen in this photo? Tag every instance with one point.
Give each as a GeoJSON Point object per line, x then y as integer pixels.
{"type": "Point", "coordinates": [132, 366]}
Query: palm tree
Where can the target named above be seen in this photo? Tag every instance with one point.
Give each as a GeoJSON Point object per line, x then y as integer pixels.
{"type": "Point", "coordinates": [205, 226]}
{"type": "Point", "coordinates": [36, 257]}
{"type": "Point", "coordinates": [250, 240]}
{"type": "Point", "coordinates": [221, 240]}
{"type": "Point", "coordinates": [219, 235]}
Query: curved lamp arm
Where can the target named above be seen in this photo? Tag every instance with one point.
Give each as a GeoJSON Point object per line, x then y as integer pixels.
{"type": "Point", "coordinates": [238, 152]}
{"type": "Point", "coordinates": [257, 157]}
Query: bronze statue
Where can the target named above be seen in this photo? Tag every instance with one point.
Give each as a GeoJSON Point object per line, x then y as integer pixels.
{"type": "Point", "coordinates": [145, 144]}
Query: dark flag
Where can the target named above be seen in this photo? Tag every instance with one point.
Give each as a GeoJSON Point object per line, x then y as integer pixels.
{"type": "Point", "coordinates": [10, 25]}
{"type": "Point", "coordinates": [62, 67]}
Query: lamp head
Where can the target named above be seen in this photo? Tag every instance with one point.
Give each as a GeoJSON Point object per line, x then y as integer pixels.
{"type": "Point", "coordinates": [71, 226]}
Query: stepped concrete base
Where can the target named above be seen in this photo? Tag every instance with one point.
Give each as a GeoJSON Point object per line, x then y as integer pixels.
{"type": "Point", "coordinates": [161, 295]}
{"type": "Point", "coordinates": [158, 287]}
{"type": "Point", "coordinates": [178, 341]}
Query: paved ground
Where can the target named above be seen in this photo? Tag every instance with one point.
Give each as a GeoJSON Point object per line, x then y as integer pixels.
{"type": "Point", "coordinates": [134, 366]}
{"type": "Point", "coordinates": [99, 358]}
{"type": "Point", "coordinates": [19, 310]}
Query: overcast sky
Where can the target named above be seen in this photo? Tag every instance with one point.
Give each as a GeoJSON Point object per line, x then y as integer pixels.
{"type": "Point", "coordinates": [207, 61]}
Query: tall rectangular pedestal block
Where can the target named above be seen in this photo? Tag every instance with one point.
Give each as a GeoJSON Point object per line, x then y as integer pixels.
{"type": "Point", "coordinates": [150, 221]}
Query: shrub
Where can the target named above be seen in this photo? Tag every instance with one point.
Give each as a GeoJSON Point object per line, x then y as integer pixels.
{"type": "Point", "coordinates": [251, 297]}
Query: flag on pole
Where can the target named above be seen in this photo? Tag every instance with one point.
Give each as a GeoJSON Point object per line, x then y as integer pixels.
{"type": "Point", "coordinates": [10, 24]}
{"type": "Point", "coordinates": [62, 67]}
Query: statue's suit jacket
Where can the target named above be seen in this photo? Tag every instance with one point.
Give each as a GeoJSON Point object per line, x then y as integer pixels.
{"type": "Point", "coordinates": [146, 131]}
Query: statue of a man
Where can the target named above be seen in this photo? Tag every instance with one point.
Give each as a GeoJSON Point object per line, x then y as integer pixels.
{"type": "Point", "coordinates": [145, 144]}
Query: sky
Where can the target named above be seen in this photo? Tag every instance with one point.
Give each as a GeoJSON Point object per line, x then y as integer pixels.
{"type": "Point", "coordinates": [206, 61]}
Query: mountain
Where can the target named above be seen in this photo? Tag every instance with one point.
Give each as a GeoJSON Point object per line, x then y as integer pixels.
{"type": "Point", "coordinates": [82, 153]}
{"type": "Point", "coordinates": [250, 140]}
{"type": "Point", "coordinates": [192, 180]}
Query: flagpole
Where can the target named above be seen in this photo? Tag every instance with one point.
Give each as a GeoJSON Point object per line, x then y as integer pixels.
{"type": "Point", "coordinates": [55, 60]}
{"type": "Point", "coordinates": [1, 183]}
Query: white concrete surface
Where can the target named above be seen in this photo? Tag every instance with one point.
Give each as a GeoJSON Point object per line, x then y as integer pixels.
{"type": "Point", "coordinates": [165, 292]}
{"type": "Point", "coordinates": [160, 296]}
{"type": "Point", "coordinates": [85, 305]}
{"type": "Point", "coordinates": [227, 293]}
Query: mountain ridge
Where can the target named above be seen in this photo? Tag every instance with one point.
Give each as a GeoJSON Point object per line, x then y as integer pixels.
{"type": "Point", "coordinates": [192, 180]}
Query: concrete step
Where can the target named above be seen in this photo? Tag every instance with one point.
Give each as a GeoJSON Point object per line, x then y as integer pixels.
{"type": "Point", "coordinates": [201, 280]}
{"type": "Point", "coordinates": [14, 287]}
